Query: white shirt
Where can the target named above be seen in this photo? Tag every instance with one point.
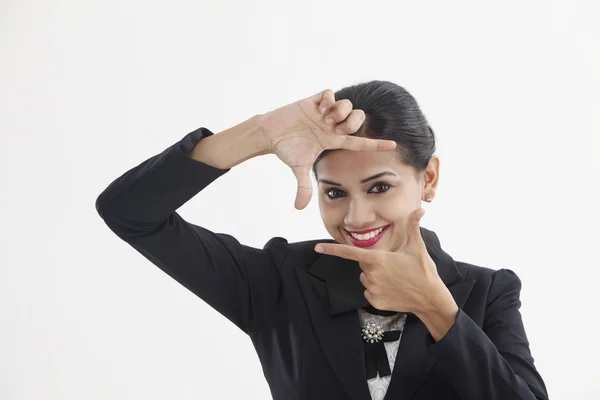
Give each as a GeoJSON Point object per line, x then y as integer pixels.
{"type": "Point", "coordinates": [378, 385]}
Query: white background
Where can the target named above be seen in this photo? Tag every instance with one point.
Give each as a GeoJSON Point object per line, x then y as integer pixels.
{"type": "Point", "coordinates": [91, 89]}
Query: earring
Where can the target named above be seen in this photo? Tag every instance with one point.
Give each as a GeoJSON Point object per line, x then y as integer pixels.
{"type": "Point", "coordinates": [428, 197]}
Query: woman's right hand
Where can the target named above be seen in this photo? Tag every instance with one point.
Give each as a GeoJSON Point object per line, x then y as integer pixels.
{"type": "Point", "coordinates": [299, 132]}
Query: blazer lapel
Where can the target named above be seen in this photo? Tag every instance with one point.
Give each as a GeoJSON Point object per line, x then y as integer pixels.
{"type": "Point", "coordinates": [340, 335]}
{"type": "Point", "coordinates": [340, 338]}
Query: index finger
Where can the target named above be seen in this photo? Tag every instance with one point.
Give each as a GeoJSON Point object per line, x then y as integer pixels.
{"type": "Point", "coordinates": [356, 143]}
{"type": "Point", "coordinates": [344, 251]}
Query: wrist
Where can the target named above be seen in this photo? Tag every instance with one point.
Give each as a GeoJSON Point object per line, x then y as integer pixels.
{"type": "Point", "coordinates": [258, 135]}
{"type": "Point", "coordinates": [232, 146]}
{"type": "Point", "coordinates": [439, 302]}
{"type": "Point", "coordinates": [440, 313]}
{"type": "Point", "coordinates": [266, 130]}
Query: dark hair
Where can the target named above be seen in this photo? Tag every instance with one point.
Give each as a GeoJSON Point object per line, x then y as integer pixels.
{"type": "Point", "coordinates": [391, 113]}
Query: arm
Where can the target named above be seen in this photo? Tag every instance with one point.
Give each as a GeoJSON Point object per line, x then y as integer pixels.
{"type": "Point", "coordinates": [493, 362]}
{"type": "Point", "coordinates": [240, 282]}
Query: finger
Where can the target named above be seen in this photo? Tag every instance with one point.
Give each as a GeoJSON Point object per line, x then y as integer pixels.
{"type": "Point", "coordinates": [356, 143]}
{"type": "Point", "coordinates": [304, 191]}
{"type": "Point", "coordinates": [338, 112]}
{"type": "Point", "coordinates": [352, 123]}
{"type": "Point", "coordinates": [344, 251]}
{"type": "Point", "coordinates": [324, 100]}
{"type": "Point", "coordinates": [413, 231]}
{"type": "Point", "coordinates": [364, 279]}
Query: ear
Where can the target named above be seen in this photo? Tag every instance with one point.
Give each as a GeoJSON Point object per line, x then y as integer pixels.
{"type": "Point", "coordinates": [431, 176]}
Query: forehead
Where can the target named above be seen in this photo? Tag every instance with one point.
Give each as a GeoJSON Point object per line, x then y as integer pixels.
{"type": "Point", "coordinates": [345, 163]}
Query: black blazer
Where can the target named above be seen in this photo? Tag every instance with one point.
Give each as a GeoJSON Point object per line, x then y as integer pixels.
{"type": "Point", "coordinates": [268, 293]}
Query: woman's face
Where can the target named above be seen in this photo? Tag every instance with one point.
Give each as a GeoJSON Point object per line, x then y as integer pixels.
{"type": "Point", "coordinates": [349, 205]}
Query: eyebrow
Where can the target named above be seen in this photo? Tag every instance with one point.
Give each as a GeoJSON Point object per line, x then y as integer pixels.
{"type": "Point", "coordinates": [379, 175]}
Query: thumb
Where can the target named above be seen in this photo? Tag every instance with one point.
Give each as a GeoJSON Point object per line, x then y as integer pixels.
{"type": "Point", "coordinates": [413, 230]}
{"type": "Point", "coordinates": [304, 192]}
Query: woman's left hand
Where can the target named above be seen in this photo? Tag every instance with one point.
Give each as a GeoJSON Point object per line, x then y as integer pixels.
{"type": "Point", "coordinates": [404, 281]}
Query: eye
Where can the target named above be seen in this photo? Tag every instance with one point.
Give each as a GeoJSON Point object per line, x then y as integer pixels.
{"type": "Point", "coordinates": [382, 186]}
{"type": "Point", "coordinates": [333, 190]}
{"type": "Point", "coordinates": [385, 186]}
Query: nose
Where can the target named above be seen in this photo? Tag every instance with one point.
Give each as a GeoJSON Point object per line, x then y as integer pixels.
{"type": "Point", "coordinates": [360, 215]}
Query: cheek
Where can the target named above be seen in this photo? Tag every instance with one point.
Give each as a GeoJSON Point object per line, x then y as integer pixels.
{"type": "Point", "coordinates": [332, 217]}
{"type": "Point", "coordinates": [393, 209]}
{"type": "Point", "coordinates": [326, 205]}
{"type": "Point", "coordinates": [399, 205]}
{"type": "Point", "coordinates": [329, 209]}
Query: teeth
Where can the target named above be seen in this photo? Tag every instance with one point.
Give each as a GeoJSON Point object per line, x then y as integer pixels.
{"type": "Point", "coordinates": [367, 236]}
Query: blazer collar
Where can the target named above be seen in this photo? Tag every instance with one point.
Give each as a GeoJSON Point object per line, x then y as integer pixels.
{"type": "Point", "coordinates": [340, 336]}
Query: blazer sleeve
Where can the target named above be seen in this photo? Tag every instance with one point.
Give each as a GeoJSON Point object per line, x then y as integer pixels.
{"type": "Point", "coordinates": [242, 283]}
{"type": "Point", "coordinates": [492, 362]}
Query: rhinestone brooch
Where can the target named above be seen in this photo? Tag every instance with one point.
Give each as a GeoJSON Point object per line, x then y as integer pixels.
{"type": "Point", "coordinates": [372, 333]}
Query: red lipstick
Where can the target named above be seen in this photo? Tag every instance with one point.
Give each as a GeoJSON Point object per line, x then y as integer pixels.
{"type": "Point", "coordinates": [367, 243]}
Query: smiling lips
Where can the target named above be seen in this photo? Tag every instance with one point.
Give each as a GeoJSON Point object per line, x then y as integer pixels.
{"type": "Point", "coordinates": [368, 239]}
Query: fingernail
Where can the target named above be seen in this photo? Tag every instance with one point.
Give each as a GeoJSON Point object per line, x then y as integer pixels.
{"type": "Point", "coordinates": [339, 131]}
{"type": "Point", "coordinates": [323, 109]}
{"type": "Point", "coordinates": [329, 120]}
{"type": "Point", "coordinates": [319, 249]}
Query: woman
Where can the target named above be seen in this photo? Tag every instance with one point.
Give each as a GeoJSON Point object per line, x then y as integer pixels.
{"type": "Point", "coordinates": [382, 310]}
